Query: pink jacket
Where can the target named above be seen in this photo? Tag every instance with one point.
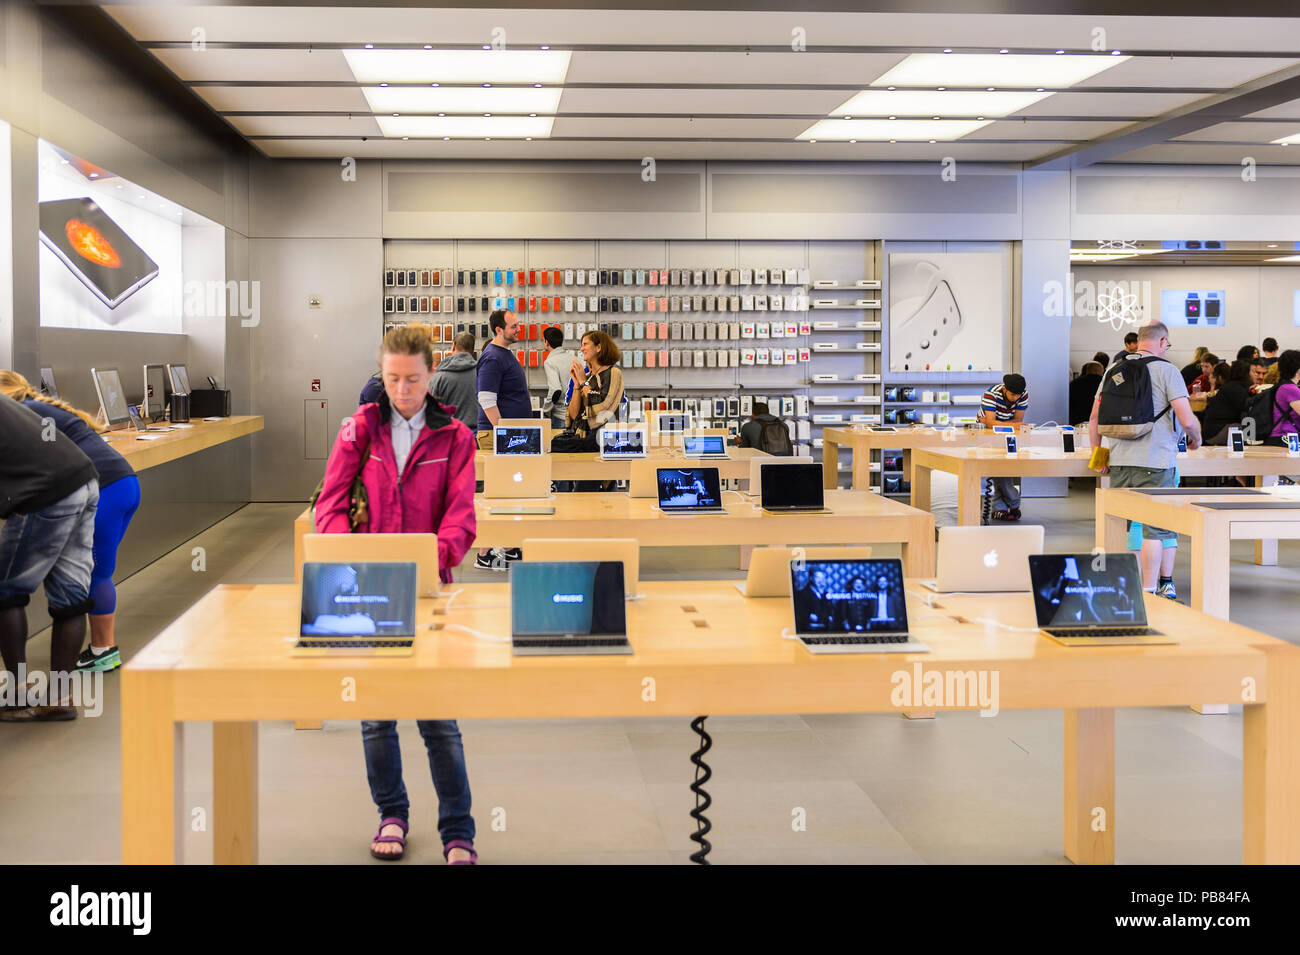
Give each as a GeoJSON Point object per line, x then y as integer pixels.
{"type": "Point", "coordinates": [434, 494]}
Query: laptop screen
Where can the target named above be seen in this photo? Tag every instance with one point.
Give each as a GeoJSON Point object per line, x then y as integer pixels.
{"type": "Point", "coordinates": [792, 485]}
{"type": "Point", "coordinates": [688, 487]}
{"type": "Point", "coordinates": [848, 596]}
{"type": "Point", "coordinates": [1077, 590]}
{"type": "Point", "coordinates": [552, 598]}
{"type": "Point", "coordinates": [520, 440]}
{"type": "Point", "coordinates": [672, 422]}
{"type": "Point", "coordinates": [622, 441]}
{"type": "Point", "coordinates": [704, 444]}
{"type": "Point", "coordinates": [358, 598]}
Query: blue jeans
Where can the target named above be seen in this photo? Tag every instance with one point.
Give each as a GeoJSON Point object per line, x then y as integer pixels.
{"type": "Point", "coordinates": [446, 764]}
{"type": "Point", "coordinates": [53, 546]}
{"type": "Point", "coordinates": [1006, 493]}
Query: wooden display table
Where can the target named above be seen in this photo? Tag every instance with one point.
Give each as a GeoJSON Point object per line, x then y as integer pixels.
{"type": "Point", "coordinates": [589, 466]}
{"type": "Point", "coordinates": [709, 650]}
{"type": "Point", "coordinates": [171, 445]}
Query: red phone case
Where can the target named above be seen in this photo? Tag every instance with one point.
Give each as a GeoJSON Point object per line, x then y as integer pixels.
{"type": "Point", "coordinates": [532, 276]}
{"type": "Point", "coordinates": [557, 277]}
{"type": "Point", "coordinates": [532, 358]}
{"type": "Point", "coordinates": [523, 359]}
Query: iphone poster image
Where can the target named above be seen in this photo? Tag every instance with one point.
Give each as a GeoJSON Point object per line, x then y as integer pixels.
{"type": "Point", "coordinates": [95, 249]}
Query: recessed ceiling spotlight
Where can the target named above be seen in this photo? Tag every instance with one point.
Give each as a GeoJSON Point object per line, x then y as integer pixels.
{"type": "Point", "coordinates": [487, 46]}
{"type": "Point", "coordinates": [979, 117]}
{"type": "Point", "coordinates": [1271, 245]}
{"type": "Point", "coordinates": [891, 87]}
{"type": "Point", "coordinates": [848, 117]}
{"type": "Point", "coordinates": [383, 84]}
{"type": "Point", "coordinates": [941, 88]}
{"type": "Point", "coordinates": [947, 49]}
{"type": "Point", "coordinates": [1059, 52]}
{"type": "Point", "coordinates": [544, 47]}
{"type": "Point", "coordinates": [488, 115]}
{"type": "Point", "coordinates": [1004, 51]}
{"type": "Point", "coordinates": [893, 140]}
{"type": "Point", "coordinates": [932, 140]}
{"type": "Point", "coordinates": [532, 114]}
{"type": "Point", "coordinates": [537, 86]}
{"type": "Point", "coordinates": [934, 117]}
{"type": "Point", "coordinates": [989, 88]}
{"type": "Point", "coordinates": [445, 138]}
{"type": "Point", "coordinates": [397, 114]}
{"type": "Point", "coordinates": [442, 114]}
{"type": "Point", "coordinates": [1114, 52]}
{"type": "Point", "coordinates": [893, 117]}
{"type": "Point", "coordinates": [370, 46]}
{"type": "Point", "coordinates": [853, 140]}
{"type": "Point", "coordinates": [405, 138]}
{"type": "Point", "coordinates": [528, 139]}
{"type": "Point", "coordinates": [428, 46]}
{"type": "Point", "coordinates": [487, 139]}
{"type": "Point", "coordinates": [433, 84]}
{"type": "Point", "coordinates": [1039, 90]}
{"type": "Point", "coordinates": [812, 140]}
{"type": "Point", "coordinates": [486, 85]}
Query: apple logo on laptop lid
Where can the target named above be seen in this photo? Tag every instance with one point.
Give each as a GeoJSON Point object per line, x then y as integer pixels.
{"type": "Point", "coordinates": [991, 558]}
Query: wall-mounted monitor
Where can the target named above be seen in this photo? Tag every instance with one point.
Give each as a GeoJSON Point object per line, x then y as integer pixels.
{"type": "Point", "coordinates": [112, 397]}
{"type": "Point", "coordinates": [157, 387]}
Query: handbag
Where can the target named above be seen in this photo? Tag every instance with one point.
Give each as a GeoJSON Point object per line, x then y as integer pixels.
{"type": "Point", "coordinates": [570, 442]}
{"type": "Point", "coordinates": [358, 498]}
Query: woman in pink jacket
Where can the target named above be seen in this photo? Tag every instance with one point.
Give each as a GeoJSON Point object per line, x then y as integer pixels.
{"type": "Point", "coordinates": [417, 464]}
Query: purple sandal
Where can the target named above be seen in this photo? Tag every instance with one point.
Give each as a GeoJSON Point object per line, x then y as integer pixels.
{"type": "Point", "coordinates": [460, 844]}
{"type": "Point", "coordinates": [379, 837]}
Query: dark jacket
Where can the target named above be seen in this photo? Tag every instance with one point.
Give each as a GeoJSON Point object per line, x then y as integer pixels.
{"type": "Point", "coordinates": [35, 470]}
{"type": "Point", "coordinates": [1083, 392]}
{"type": "Point", "coordinates": [454, 386]}
{"type": "Point", "coordinates": [109, 465]}
{"type": "Point", "coordinates": [1226, 407]}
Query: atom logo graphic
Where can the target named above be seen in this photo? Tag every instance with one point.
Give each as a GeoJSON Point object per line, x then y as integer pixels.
{"type": "Point", "coordinates": [1118, 307]}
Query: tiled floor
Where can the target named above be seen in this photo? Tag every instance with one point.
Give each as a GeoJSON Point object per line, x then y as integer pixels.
{"type": "Point", "coordinates": [826, 788]}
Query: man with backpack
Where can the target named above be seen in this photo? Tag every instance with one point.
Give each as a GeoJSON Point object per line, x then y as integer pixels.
{"type": "Point", "coordinates": [1140, 405]}
{"type": "Point", "coordinates": [766, 432]}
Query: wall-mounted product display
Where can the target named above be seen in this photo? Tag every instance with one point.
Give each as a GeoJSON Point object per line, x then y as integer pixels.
{"type": "Point", "coordinates": [111, 252]}
{"type": "Point", "coordinates": [1193, 307]}
{"type": "Point", "coordinates": [947, 311]}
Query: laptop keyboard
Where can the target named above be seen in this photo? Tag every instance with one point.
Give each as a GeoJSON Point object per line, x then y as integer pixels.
{"type": "Point", "coordinates": [565, 642]}
{"type": "Point", "coordinates": [354, 644]}
{"type": "Point", "coordinates": [1102, 632]}
{"type": "Point", "coordinates": [857, 639]}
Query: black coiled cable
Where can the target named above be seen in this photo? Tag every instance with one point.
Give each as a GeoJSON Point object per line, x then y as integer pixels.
{"type": "Point", "coordinates": [702, 799]}
{"type": "Point", "coordinates": [986, 500]}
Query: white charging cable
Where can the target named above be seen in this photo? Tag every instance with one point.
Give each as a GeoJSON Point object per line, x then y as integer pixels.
{"type": "Point", "coordinates": [1005, 626]}
{"type": "Point", "coordinates": [788, 634]}
{"type": "Point", "coordinates": [477, 634]}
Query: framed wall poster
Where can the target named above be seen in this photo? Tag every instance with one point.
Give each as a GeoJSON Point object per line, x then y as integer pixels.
{"type": "Point", "coordinates": [947, 311]}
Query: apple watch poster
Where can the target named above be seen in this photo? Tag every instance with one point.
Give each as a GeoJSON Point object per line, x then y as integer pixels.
{"type": "Point", "coordinates": [946, 311]}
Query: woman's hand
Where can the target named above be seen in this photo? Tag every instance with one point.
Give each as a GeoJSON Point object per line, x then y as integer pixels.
{"type": "Point", "coordinates": [575, 371]}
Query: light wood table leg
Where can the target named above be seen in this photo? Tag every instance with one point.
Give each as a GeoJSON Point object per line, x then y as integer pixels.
{"type": "Point", "coordinates": [921, 488]}
{"type": "Point", "coordinates": [1266, 550]}
{"type": "Point", "coordinates": [234, 793]}
{"type": "Point", "coordinates": [1090, 786]}
{"type": "Point", "coordinates": [1270, 770]}
{"type": "Point", "coordinates": [1211, 568]}
{"type": "Point", "coordinates": [308, 724]}
{"type": "Point", "coordinates": [907, 466]}
{"type": "Point", "coordinates": [969, 491]}
{"type": "Point", "coordinates": [744, 553]}
{"type": "Point", "coordinates": [153, 762]}
{"type": "Point", "coordinates": [1111, 531]}
{"type": "Point", "coordinates": [831, 464]}
{"type": "Point", "coordinates": [861, 470]}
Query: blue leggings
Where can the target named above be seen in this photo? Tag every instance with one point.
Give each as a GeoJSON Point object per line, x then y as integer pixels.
{"type": "Point", "coordinates": [117, 505]}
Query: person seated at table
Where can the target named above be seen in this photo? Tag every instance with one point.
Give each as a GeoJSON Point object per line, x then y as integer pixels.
{"type": "Point", "coordinates": [1226, 406]}
{"type": "Point", "coordinates": [766, 432]}
{"type": "Point", "coordinates": [1193, 368]}
{"type": "Point", "coordinates": [1083, 389]}
{"type": "Point", "coordinates": [119, 498]}
{"type": "Point", "coordinates": [1258, 376]}
{"type": "Point", "coordinates": [1202, 384]}
{"type": "Point", "coordinates": [1286, 402]}
{"type": "Point", "coordinates": [417, 464]}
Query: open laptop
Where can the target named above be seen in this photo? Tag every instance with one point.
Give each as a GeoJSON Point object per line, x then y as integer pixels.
{"type": "Point", "coordinates": [621, 443]}
{"type": "Point", "coordinates": [756, 465]}
{"type": "Point", "coordinates": [794, 487]}
{"type": "Point", "coordinates": [985, 559]}
{"type": "Point", "coordinates": [1086, 600]}
{"type": "Point", "coordinates": [357, 608]}
{"type": "Point", "coordinates": [851, 606]}
{"type": "Point", "coordinates": [704, 446]}
{"type": "Point", "coordinates": [689, 491]}
{"type": "Point", "coordinates": [419, 549]}
{"type": "Point", "coordinates": [624, 550]}
{"type": "Point", "coordinates": [566, 608]}
{"type": "Point", "coordinates": [138, 422]}
{"type": "Point", "coordinates": [517, 439]}
{"type": "Point", "coordinates": [517, 475]}
{"type": "Point", "coordinates": [769, 567]}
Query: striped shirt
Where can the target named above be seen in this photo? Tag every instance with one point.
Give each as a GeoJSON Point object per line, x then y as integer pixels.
{"type": "Point", "coordinates": [995, 400]}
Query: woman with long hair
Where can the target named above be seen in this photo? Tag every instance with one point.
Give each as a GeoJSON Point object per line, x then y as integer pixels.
{"type": "Point", "coordinates": [416, 462]}
{"type": "Point", "coordinates": [119, 498]}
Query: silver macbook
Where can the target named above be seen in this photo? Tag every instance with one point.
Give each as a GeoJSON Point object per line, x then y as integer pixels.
{"type": "Point", "coordinates": [689, 491]}
{"type": "Point", "coordinates": [358, 608]}
{"type": "Point", "coordinates": [1091, 599]}
{"type": "Point", "coordinates": [568, 608]}
{"type": "Point", "coordinates": [704, 446]}
{"type": "Point", "coordinates": [985, 559]}
{"type": "Point", "coordinates": [621, 443]}
{"type": "Point", "coordinates": [851, 606]}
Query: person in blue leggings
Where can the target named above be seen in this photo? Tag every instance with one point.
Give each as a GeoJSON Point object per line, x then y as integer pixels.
{"type": "Point", "coordinates": [119, 497]}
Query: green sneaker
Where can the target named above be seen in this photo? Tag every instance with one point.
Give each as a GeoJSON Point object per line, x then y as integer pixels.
{"type": "Point", "coordinates": [103, 661]}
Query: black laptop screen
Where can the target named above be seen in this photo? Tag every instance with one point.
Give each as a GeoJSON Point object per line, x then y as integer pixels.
{"type": "Point", "coordinates": [552, 598]}
{"type": "Point", "coordinates": [688, 487]}
{"type": "Point", "coordinates": [351, 599]}
{"type": "Point", "coordinates": [525, 440]}
{"type": "Point", "coordinates": [848, 596]}
{"type": "Point", "coordinates": [1077, 590]}
{"type": "Point", "coordinates": [792, 485]}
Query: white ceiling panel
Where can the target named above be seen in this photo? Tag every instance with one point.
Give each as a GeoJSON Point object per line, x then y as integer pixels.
{"type": "Point", "coordinates": [364, 125]}
{"type": "Point", "coordinates": [597, 127]}
{"type": "Point", "coordinates": [1016, 129]}
{"type": "Point", "coordinates": [814, 102]}
{"type": "Point", "coordinates": [263, 65]}
{"type": "Point", "coordinates": [1289, 110]}
{"type": "Point", "coordinates": [1244, 133]}
{"type": "Point", "coordinates": [284, 97]}
{"type": "Point", "coordinates": [708, 67]}
{"type": "Point", "coordinates": [1187, 71]}
{"type": "Point", "coordinates": [1200, 153]}
{"type": "Point", "coordinates": [1110, 104]}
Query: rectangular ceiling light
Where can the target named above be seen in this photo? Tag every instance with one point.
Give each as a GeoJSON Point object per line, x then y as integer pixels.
{"type": "Point", "coordinates": [465, 127]}
{"type": "Point", "coordinates": [999, 70]}
{"type": "Point", "coordinates": [373, 67]}
{"type": "Point", "coordinates": [1287, 140]}
{"type": "Point", "coordinates": [884, 130]}
{"type": "Point", "coordinates": [460, 99]}
{"type": "Point", "coordinates": [947, 104]}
